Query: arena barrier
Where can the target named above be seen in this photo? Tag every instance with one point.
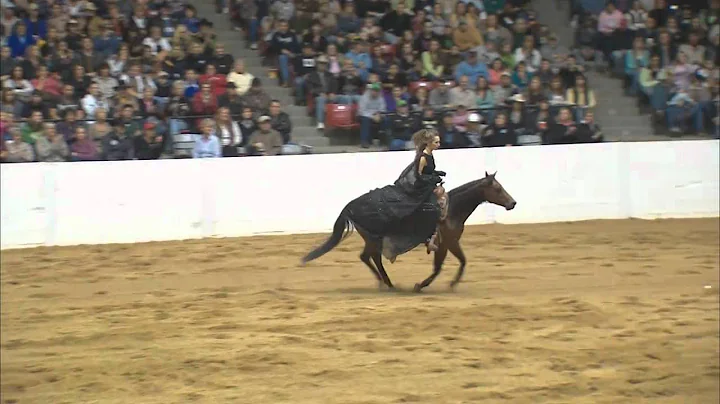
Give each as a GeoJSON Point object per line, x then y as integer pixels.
{"type": "Point", "coordinates": [138, 201]}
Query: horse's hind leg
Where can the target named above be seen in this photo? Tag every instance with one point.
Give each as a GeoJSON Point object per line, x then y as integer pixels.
{"type": "Point", "coordinates": [377, 259]}
{"type": "Point", "coordinates": [457, 252]}
{"type": "Point", "coordinates": [437, 268]}
{"type": "Point", "coordinates": [365, 257]}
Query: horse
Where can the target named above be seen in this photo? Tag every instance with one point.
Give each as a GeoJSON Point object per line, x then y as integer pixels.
{"type": "Point", "coordinates": [462, 202]}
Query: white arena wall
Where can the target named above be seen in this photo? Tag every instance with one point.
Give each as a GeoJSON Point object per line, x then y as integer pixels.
{"type": "Point", "coordinates": [139, 201]}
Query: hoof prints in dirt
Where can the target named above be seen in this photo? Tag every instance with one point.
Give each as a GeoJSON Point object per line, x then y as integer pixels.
{"type": "Point", "coordinates": [586, 312]}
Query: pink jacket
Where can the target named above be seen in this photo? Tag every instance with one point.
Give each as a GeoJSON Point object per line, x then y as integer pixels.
{"type": "Point", "coordinates": [609, 22]}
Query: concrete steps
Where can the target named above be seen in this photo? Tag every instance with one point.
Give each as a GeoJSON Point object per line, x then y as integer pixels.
{"type": "Point", "coordinates": [304, 130]}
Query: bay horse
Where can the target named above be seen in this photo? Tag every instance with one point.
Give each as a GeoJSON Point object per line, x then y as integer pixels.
{"type": "Point", "coordinates": [462, 202]}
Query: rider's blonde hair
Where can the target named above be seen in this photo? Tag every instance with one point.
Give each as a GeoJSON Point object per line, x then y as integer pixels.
{"type": "Point", "coordinates": [423, 137]}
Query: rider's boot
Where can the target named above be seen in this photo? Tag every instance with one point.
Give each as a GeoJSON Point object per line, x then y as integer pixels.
{"type": "Point", "coordinates": [431, 243]}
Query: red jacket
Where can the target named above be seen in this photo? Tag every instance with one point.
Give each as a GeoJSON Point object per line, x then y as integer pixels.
{"type": "Point", "coordinates": [218, 83]}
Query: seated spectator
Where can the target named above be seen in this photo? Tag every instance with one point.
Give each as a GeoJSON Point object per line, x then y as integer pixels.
{"type": "Point", "coordinates": [420, 101]}
{"type": "Point", "coordinates": [149, 105]}
{"type": "Point", "coordinates": [207, 144]}
{"type": "Point", "coordinates": [499, 133]}
{"type": "Point", "coordinates": [681, 71]}
{"type": "Point", "coordinates": [360, 58]}
{"type": "Point", "coordinates": [635, 59]}
{"type": "Point", "coordinates": [588, 130]}
{"type": "Point", "coordinates": [34, 128]}
{"type": "Point", "coordinates": [280, 121]}
{"type": "Point", "coordinates": [665, 48]}
{"type": "Point", "coordinates": [402, 126]}
{"type": "Point", "coordinates": [371, 107]}
{"type": "Point", "coordinates": [450, 136]}
{"type": "Point", "coordinates": [582, 96]}
{"type": "Point", "coordinates": [460, 118]}
{"type": "Point", "coordinates": [217, 81]}
{"type": "Point", "coordinates": [471, 68]}
{"type": "Point", "coordinates": [51, 147]}
{"type": "Point", "coordinates": [485, 99]}
{"type": "Point", "coordinates": [83, 148]}
{"type": "Point", "coordinates": [535, 92]}
{"type": "Point", "coordinates": [205, 102]}
{"type": "Point", "coordinates": [92, 101]}
{"type": "Point", "coordinates": [35, 103]}
{"type": "Point", "coordinates": [256, 97]}
{"type": "Point", "coordinates": [694, 51]}
{"type": "Point", "coordinates": [240, 77]}
{"type": "Point", "coordinates": [285, 45]}
{"type": "Point", "coordinates": [324, 87]}
{"type": "Point", "coordinates": [18, 85]}
{"type": "Point", "coordinates": [609, 21]}
{"type": "Point", "coordinates": [652, 83]}
{"type": "Point", "coordinates": [528, 54]}
{"type": "Point", "coordinates": [505, 90]}
{"type": "Point", "coordinates": [497, 68]}
{"type": "Point", "coordinates": [541, 119]}
{"type": "Point", "coordinates": [304, 65]}
{"type": "Point", "coordinates": [48, 86]}
{"type": "Point", "coordinates": [265, 141]}
{"type": "Point", "coordinates": [570, 71]}
{"type": "Point", "coordinates": [553, 52]}
{"type": "Point", "coordinates": [474, 130]}
{"type": "Point", "coordinates": [440, 96]}
{"type": "Point", "coordinates": [393, 97]}
{"type": "Point", "coordinates": [247, 124]}
{"type": "Point", "coordinates": [636, 18]}
{"type": "Point", "coordinates": [466, 37]}
{"type": "Point", "coordinates": [564, 130]}
{"type": "Point", "coordinates": [462, 94]}
{"type": "Point", "coordinates": [682, 108]}
{"type": "Point", "coordinates": [433, 66]}
{"type": "Point", "coordinates": [116, 145]}
{"type": "Point", "coordinates": [148, 145]}
{"type": "Point", "coordinates": [521, 76]}
{"type": "Point", "coordinates": [507, 56]}
{"type": "Point", "coordinates": [488, 53]}
{"type": "Point", "coordinates": [97, 130]}
{"type": "Point", "coordinates": [520, 120]}
{"type": "Point", "coordinates": [15, 150]}
{"type": "Point", "coordinates": [229, 133]}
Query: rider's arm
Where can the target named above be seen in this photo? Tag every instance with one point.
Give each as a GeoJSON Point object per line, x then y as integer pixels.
{"type": "Point", "coordinates": [421, 165]}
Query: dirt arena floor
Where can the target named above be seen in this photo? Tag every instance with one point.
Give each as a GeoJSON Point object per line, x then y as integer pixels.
{"type": "Point", "coordinates": [591, 312]}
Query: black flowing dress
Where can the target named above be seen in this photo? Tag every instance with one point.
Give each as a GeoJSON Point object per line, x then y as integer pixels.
{"type": "Point", "coordinates": [403, 215]}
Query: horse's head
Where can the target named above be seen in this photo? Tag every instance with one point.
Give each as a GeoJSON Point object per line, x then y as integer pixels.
{"type": "Point", "coordinates": [495, 193]}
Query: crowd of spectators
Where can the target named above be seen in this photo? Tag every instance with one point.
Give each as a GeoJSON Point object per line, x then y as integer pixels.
{"type": "Point", "coordinates": [667, 55]}
{"type": "Point", "coordinates": [483, 72]}
{"type": "Point", "coordinates": [118, 80]}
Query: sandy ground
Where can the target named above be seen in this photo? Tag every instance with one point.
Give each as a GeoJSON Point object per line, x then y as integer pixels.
{"type": "Point", "coordinates": [591, 312]}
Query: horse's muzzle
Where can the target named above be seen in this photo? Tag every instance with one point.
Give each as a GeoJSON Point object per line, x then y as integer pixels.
{"type": "Point", "coordinates": [511, 205]}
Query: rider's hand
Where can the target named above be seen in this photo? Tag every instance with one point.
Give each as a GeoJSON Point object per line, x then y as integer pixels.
{"type": "Point", "coordinates": [440, 173]}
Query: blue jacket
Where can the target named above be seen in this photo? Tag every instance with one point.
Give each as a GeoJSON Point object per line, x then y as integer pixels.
{"type": "Point", "coordinates": [472, 72]}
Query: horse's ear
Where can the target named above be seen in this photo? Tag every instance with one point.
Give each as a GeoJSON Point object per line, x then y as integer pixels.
{"type": "Point", "coordinates": [493, 174]}
{"type": "Point", "coordinates": [486, 174]}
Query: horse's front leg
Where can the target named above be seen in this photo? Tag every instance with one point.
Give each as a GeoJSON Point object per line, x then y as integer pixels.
{"type": "Point", "coordinates": [440, 255]}
{"type": "Point", "coordinates": [377, 259]}
{"type": "Point", "coordinates": [458, 253]}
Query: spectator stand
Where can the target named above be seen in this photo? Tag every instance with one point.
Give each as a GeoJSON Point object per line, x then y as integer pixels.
{"type": "Point", "coordinates": [115, 82]}
{"type": "Point", "coordinates": [394, 46]}
{"type": "Point", "coordinates": [665, 57]}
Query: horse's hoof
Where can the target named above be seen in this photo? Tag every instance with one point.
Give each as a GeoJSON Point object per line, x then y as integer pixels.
{"type": "Point", "coordinates": [453, 285]}
{"type": "Point", "coordinates": [418, 288]}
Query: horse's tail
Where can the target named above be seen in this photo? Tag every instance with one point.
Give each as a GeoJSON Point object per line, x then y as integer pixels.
{"type": "Point", "coordinates": [343, 228]}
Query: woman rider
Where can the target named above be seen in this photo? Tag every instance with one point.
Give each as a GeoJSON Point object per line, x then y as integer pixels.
{"type": "Point", "coordinates": [426, 141]}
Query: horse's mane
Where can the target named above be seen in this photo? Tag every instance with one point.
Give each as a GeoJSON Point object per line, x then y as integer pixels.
{"type": "Point", "coordinates": [467, 194]}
